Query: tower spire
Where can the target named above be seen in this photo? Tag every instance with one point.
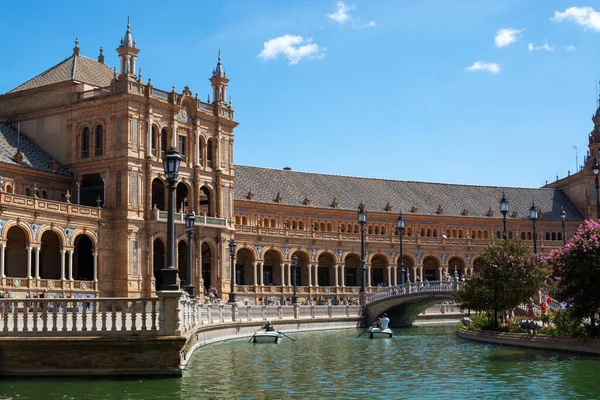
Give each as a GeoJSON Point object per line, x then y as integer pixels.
{"type": "Point", "coordinates": [219, 82]}
{"type": "Point", "coordinates": [127, 53]}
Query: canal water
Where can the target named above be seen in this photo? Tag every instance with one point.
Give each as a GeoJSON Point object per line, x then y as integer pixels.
{"type": "Point", "coordinates": [421, 363]}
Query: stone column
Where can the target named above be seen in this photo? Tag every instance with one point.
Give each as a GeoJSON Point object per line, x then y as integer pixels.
{"type": "Point", "coordinates": [70, 254]}
{"type": "Point", "coordinates": [282, 274]}
{"type": "Point", "coordinates": [414, 274]}
{"type": "Point", "coordinates": [37, 262]}
{"type": "Point", "coordinates": [255, 267]}
{"type": "Point", "coordinates": [262, 275]}
{"type": "Point", "coordinates": [389, 276]}
{"type": "Point", "coordinates": [289, 275]}
{"type": "Point", "coordinates": [95, 266]}
{"type": "Point", "coordinates": [62, 264]}
{"type": "Point", "coordinates": [337, 270]}
{"type": "Point", "coordinates": [440, 272]}
{"type": "Point", "coordinates": [309, 268]}
{"type": "Point", "coordinates": [316, 275]}
{"type": "Point", "coordinates": [2, 256]}
{"type": "Point", "coordinates": [28, 262]}
{"type": "Point", "coordinates": [343, 275]}
{"type": "Point", "coordinates": [369, 275]}
{"type": "Point", "coordinates": [395, 275]}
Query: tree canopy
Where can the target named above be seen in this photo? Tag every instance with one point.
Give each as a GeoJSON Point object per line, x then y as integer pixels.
{"type": "Point", "coordinates": [576, 269]}
{"type": "Point", "coordinates": [509, 275]}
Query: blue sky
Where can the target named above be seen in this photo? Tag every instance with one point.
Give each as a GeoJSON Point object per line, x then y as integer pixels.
{"type": "Point", "coordinates": [467, 91]}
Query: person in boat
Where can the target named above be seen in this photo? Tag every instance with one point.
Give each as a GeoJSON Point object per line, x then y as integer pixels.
{"type": "Point", "coordinates": [384, 321]}
{"type": "Point", "coordinates": [269, 327]}
{"type": "Point", "coordinates": [377, 323]}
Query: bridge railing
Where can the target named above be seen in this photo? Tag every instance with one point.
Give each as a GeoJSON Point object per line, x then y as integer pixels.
{"type": "Point", "coordinates": [413, 288]}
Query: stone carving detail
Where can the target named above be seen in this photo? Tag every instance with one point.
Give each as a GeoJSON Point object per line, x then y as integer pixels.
{"type": "Point", "coordinates": [468, 257]}
{"type": "Point", "coordinates": [340, 254]}
{"type": "Point", "coordinates": [35, 228]}
{"type": "Point", "coordinates": [286, 252]}
{"type": "Point", "coordinates": [259, 250]}
{"type": "Point", "coordinates": [313, 253]}
{"type": "Point", "coordinates": [444, 256]}
{"type": "Point", "coordinates": [68, 232]}
{"type": "Point", "coordinates": [418, 256]}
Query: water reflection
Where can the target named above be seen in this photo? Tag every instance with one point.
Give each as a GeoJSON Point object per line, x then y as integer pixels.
{"type": "Point", "coordinates": [422, 363]}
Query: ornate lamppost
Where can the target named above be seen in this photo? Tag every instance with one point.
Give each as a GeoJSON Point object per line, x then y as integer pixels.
{"type": "Point", "coordinates": [563, 218]}
{"type": "Point", "coordinates": [171, 169]}
{"type": "Point", "coordinates": [232, 248]}
{"type": "Point", "coordinates": [533, 216]}
{"type": "Point", "coordinates": [596, 170]}
{"type": "Point", "coordinates": [190, 219]}
{"type": "Point", "coordinates": [295, 272]}
{"type": "Point", "coordinates": [400, 226]}
{"type": "Point", "coordinates": [362, 219]}
{"type": "Point", "coordinates": [504, 206]}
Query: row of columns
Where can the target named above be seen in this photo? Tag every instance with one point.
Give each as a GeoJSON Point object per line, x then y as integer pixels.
{"type": "Point", "coordinates": [29, 249]}
{"type": "Point", "coordinates": [340, 273]}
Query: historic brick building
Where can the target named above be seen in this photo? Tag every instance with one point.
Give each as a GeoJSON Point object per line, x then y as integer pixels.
{"type": "Point", "coordinates": [83, 200]}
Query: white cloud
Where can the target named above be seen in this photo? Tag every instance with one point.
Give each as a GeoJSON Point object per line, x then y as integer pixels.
{"type": "Point", "coordinates": [484, 66]}
{"type": "Point", "coordinates": [570, 47]}
{"type": "Point", "coordinates": [545, 46]}
{"type": "Point", "coordinates": [342, 15]}
{"type": "Point", "coordinates": [507, 36]}
{"type": "Point", "coordinates": [292, 47]}
{"type": "Point", "coordinates": [584, 16]}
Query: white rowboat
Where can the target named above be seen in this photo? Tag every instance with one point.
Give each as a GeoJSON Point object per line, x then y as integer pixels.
{"type": "Point", "coordinates": [378, 333]}
{"type": "Point", "coordinates": [267, 337]}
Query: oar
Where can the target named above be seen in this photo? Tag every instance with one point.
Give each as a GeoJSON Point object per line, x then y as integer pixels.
{"type": "Point", "coordinates": [363, 331]}
{"type": "Point", "coordinates": [293, 340]}
{"type": "Point", "coordinates": [252, 338]}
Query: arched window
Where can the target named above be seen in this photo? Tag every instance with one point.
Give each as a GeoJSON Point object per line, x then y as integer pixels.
{"type": "Point", "coordinates": [154, 140]}
{"type": "Point", "coordinates": [322, 228]}
{"type": "Point", "coordinates": [300, 225]}
{"type": "Point", "coordinates": [528, 235]}
{"type": "Point", "coordinates": [560, 236]}
{"type": "Point", "coordinates": [547, 235]}
{"type": "Point", "coordinates": [163, 141]}
{"type": "Point", "coordinates": [498, 235]}
{"type": "Point", "coordinates": [44, 194]}
{"type": "Point", "coordinates": [85, 143]}
{"type": "Point", "coordinates": [510, 235]}
{"type": "Point", "coordinates": [209, 153]}
{"type": "Point", "coordinates": [553, 235]}
{"type": "Point", "coordinates": [522, 235]}
{"type": "Point", "coordinates": [383, 230]}
{"type": "Point", "coordinates": [99, 145]}
{"type": "Point", "coordinates": [27, 192]}
{"type": "Point", "coordinates": [244, 220]}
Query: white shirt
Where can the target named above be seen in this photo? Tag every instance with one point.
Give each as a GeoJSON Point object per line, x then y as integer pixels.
{"type": "Point", "coordinates": [384, 322]}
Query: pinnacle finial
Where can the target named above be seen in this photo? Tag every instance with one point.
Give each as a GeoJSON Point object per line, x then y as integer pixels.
{"type": "Point", "coordinates": [128, 22]}
{"type": "Point", "coordinates": [76, 48]}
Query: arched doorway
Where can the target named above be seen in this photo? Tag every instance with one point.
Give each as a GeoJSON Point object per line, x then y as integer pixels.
{"type": "Point", "coordinates": [244, 267]}
{"type": "Point", "coordinates": [158, 261]}
{"type": "Point", "coordinates": [301, 269]}
{"type": "Point", "coordinates": [91, 189]}
{"type": "Point", "coordinates": [16, 253]}
{"type": "Point", "coordinates": [50, 262]}
{"type": "Point", "coordinates": [430, 269]}
{"type": "Point", "coordinates": [158, 194]}
{"type": "Point", "coordinates": [379, 271]}
{"type": "Point", "coordinates": [326, 270]}
{"type": "Point", "coordinates": [182, 261]}
{"type": "Point", "coordinates": [204, 202]}
{"type": "Point", "coordinates": [272, 268]}
{"type": "Point", "coordinates": [456, 267]}
{"type": "Point", "coordinates": [83, 259]}
{"type": "Point", "coordinates": [410, 272]}
{"type": "Point", "coordinates": [352, 270]}
{"type": "Point", "coordinates": [181, 195]}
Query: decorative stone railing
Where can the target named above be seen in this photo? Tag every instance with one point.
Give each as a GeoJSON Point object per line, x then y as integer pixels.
{"type": "Point", "coordinates": [37, 204]}
{"type": "Point", "coordinates": [200, 219]}
{"type": "Point", "coordinates": [173, 314]}
{"type": "Point", "coordinates": [414, 288]}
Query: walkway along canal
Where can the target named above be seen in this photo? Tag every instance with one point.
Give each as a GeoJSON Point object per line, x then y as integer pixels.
{"type": "Point", "coordinates": [156, 336]}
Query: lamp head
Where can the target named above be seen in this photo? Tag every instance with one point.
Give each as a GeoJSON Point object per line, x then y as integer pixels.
{"type": "Point", "coordinates": [400, 223]}
{"type": "Point", "coordinates": [504, 206]}
{"type": "Point", "coordinates": [563, 215]}
{"type": "Point", "coordinates": [190, 219]}
{"type": "Point", "coordinates": [533, 212]}
{"type": "Point", "coordinates": [595, 166]}
{"type": "Point", "coordinates": [232, 247]}
{"type": "Point", "coordinates": [171, 164]}
{"type": "Point", "coordinates": [362, 214]}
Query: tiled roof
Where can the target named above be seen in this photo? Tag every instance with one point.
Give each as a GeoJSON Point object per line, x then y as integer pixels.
{"type": "Point", "coordinates": [74, 68]}
{"type": "Point", "coordinates": [33, 156]}
{"type": "Point", "coordinates": [426, 198]}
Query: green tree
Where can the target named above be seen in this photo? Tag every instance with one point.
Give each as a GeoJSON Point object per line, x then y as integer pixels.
{"type": "Point", "coordinates": [509, 275]}
{"type": "Point", "coordinates": [576, 269]}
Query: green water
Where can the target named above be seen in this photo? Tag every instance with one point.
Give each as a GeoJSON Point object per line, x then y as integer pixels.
{"type": "Point", "coordinates": [422, 363]}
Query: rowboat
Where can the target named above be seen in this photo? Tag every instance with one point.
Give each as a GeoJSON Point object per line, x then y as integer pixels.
{"type": "Point", "coordinates": [378, 333]}
{"type": "Point", "coordinates": [267, 337]}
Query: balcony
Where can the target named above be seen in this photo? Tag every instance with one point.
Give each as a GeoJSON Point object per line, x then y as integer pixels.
{"type": "Point", "coordinates": [202, 220]}
{"type": "Point", "coordinates": [10, 202]}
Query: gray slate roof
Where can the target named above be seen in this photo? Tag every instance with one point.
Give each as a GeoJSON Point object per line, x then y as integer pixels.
{"type": "Point", "coordinates": [74, 68]}
{"type": "Point", "coordinates": [33, 156]}
{"type": "Point", "coordinates": [349, 191]}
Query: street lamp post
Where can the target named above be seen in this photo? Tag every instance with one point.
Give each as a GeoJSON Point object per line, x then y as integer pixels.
{"type": "Point", "coordinates": [190, 219]}
{"type": "Point", "coordinates": [362, 219]}
{"type": "Point", "coordinates": [533, 215]}
{"type": "Point", "coordinates": [294, 271]}
{"type": "Point", "coordinates": [400, 225]}
{"type": "Point", "coordinates": [596, 170]}
{"type": "Point", "coordinates": [504, 206]}
{"type": "Point", "coordinates": [563, 218]}
{"type": "Point", "coordinates": [232, 248]}
{"type": "Point", "coordinates": [171, 169]}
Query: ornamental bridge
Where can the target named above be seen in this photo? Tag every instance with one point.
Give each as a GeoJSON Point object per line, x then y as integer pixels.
{"type": "Point", "coordinates": [403, 303]}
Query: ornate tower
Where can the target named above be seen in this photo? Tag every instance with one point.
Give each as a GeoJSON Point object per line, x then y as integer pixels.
{"type": "Point", "coordinates": [127, 54]}
{"type": "Point", "coordinates": [219, 83]}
